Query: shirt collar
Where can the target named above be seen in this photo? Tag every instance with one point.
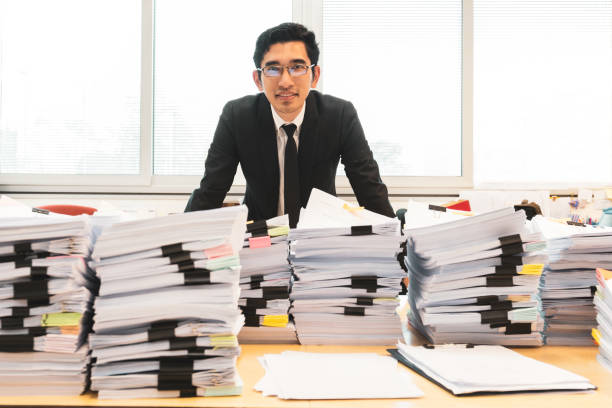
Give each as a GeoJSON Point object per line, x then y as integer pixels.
{"type": "Point", "coordinates": [278, 121]}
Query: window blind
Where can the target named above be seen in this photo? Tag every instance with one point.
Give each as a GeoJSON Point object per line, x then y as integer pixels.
{"type": "Point", "coordinates": [399, 62]}
{"type": "Point", "coordinates": [543, 92]}
{"type": "Point", "coordinates": [70, 87]}
{"type": "Point", "coordinates": [203, 59]}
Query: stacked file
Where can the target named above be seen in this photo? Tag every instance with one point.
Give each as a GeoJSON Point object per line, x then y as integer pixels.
{"type": "Point", "coordinates": [568, 282]}
{"type": "Point", "coordinates": [603, 304]}
{"type": "Point", "coordinates": [265, 282]}
{"type": "Point", "coordinates": [167, 314]}
{"type": "Point", "coordinates": [45, 305]}
{"type": "Point", "coordinates": [346, 274]}
{"type": "Point", "coordinates": [475, 280]}
{"type": "Point", "coordinates": [467, 369]}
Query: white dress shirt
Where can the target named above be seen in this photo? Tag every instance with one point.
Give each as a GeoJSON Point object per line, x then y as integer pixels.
{"type": "Point", "coordinates": [281, 142]}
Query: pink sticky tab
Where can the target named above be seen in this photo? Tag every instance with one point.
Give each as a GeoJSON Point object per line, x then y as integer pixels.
{"type": "Point", "coordinates": [260, 242]}
{"type": "Point", "coordinates": [218, 251]}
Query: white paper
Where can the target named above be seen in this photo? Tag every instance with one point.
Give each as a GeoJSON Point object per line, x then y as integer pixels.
{"type": "Point", "coordinates": [299, 375]}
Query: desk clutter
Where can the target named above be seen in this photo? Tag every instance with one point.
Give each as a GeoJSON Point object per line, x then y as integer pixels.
{"type": "Point", "coordinates": [167, 318]}
{"type": "Point", "coordinates": [265, 282]}
{"type": "Point", "coordinates": [482, 289]}
{"type": "Point", "coordinates": [156, 308]}
{"type": "Point", "coordinates": [603, 304]}
{"type": "Point", "coordinates": [569, 280]}
{"type": "Point", "coordinates": [346, 274]}
{"type": "Point", "coordinates": [46, 293]}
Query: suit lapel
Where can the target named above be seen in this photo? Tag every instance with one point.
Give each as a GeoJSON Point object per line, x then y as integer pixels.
{"type": "Point", "coordinates": [268, 150]}
{"type": "Point", "coordinates": [307, 147]}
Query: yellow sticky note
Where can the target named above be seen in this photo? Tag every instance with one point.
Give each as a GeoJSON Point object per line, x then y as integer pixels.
{"type": "Point", "coordinates": [61, 319]}
{"type": "Point", "coordinates": [351, 209]}
{"type": "Point", "coordinates": [275, 320]}
{"type": "Point", "coordinates": [278, 231]}
{"type": "Point", "coordinates": [609, 193]}
{"type": "Point", "coordinates": [223, 341]}
{"type": "Point", "coordinates": [596, 335]}
{"type": "Point", "coordinates": [385, 300]}
{"type": "Point", "coordinates": [532, 269]}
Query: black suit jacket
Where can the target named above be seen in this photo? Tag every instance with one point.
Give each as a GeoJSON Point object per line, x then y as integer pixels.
{"type": "Point", "coordinates": [246, 134]}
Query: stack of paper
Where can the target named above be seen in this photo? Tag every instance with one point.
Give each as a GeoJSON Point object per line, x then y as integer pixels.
{"type": "Point", "coordinates": [468, 369]}
{"type": "Point", "coordinates": [569, 280]}
{"type": "Point", "coordinates": [265, 282]}
{"type": "Point", "coordinates": [603, 304]}
{"type": "Point", "coordinates": [346, 273]}
{"type": "Point", "coordinates": [297, 375]}
{"type": "Point", "coordinates": [475, 280]}
{"type": "Point", "coordinates": [45, 305]}
{"type": "Point", "coordinates": [167, 315]}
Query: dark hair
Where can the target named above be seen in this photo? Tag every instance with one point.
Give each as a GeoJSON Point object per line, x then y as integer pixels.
{"type": "Point", "coordinates": [286, 32]}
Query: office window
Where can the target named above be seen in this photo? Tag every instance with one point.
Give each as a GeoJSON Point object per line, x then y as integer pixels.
{"type": "Point", "coordinates": [70, 87]}
{"type": "Point", "coordinates": [399, 62]}
{"type": "Point", "coordinates": [75, 83]}
{"type": "Point", "coordinates": [203, 58]}
{"type": "Point", "coordinates": [543, 92]}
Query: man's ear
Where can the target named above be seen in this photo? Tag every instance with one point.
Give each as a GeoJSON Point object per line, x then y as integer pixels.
{"type": "Point", "coordinates": [315, 76]}
{"type": "Point", "coordinates": [257, 80]}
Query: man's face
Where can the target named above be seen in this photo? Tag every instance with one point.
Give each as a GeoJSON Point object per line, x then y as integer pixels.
{"type": "Point", "coordinates": [286, 93]}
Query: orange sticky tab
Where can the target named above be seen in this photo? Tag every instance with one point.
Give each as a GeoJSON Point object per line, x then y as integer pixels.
{"type": "Point", "coordinates": [260, 242]}
{"type": "Point", "coordinates": [69, 329]}
{"type": "Point", "coordinates": [218, 251]}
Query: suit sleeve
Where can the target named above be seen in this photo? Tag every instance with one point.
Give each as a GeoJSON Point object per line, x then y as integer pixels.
{"type": "Point", "coordinates": [360, 166]}
{"type": "Point", "coordinates": [220, 167]}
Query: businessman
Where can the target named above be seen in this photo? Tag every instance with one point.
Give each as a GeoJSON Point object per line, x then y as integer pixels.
{"type": "Point", "coordinates": [288, 138]}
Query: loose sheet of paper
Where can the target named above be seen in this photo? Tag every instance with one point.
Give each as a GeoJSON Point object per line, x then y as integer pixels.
{"type": "Point", "coordinates": [299, 375]}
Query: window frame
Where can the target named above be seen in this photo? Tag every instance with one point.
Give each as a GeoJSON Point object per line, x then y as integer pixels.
{"type": "Point", "coordinates": [309, 13]}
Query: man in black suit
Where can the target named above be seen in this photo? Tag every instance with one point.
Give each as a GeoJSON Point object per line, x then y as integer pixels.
{"type": "Point", "coordinates": [288, 139]}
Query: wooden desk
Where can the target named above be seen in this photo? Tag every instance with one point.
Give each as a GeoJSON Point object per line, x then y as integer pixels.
{"type": "Point", "coordinates": [580, 360]}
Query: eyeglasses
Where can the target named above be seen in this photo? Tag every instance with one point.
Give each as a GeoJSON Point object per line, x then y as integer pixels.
{"type": "Point", "coordinates": [295, 70]}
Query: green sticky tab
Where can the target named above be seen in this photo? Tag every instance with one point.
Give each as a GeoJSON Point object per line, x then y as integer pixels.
{"type": "Point", "coordinates": [223, 391]}
{"type": "Point", "coordinates": [278, 231]}
{"type": "Point", "coordinates": [527, 314]}
{"type": "Point", "coordinates": [535, 246]}
{"type": "Point", "coordinates": [223, 262]}
{"type": "Point", "coordinates": [61, 319]}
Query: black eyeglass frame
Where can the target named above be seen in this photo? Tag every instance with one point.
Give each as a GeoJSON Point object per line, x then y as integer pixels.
{"type": "Point", "coordinates": [289, 68]}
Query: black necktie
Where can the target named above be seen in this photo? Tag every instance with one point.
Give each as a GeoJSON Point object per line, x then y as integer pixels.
{"type": "Point", "coordinates": [292, 178]}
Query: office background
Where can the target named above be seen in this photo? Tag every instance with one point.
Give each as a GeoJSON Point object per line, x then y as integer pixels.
{"type": "Point", "coordinates": [118, 100]}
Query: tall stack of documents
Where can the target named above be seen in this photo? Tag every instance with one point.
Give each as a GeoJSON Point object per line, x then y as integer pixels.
{"type": "Point", "coordinates": [167, 315]}
{"type": "Point", "coordinates": [603, 304]}
{"type": "Point", "coordinates": [475, 279]}
{"type": "Point", "coordinates": [265, 281]}
{"type": "Point", "coordinates": [569, 280]}
{"type": "Point", "coordinates": [346, 274]}
{"type": "Point", "coordinates": [45, 305]}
